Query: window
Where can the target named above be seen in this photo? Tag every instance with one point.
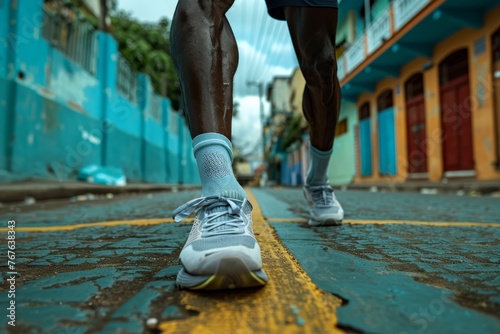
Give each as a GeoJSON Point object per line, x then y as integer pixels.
{"type": "Point", "coordinates": [364, 111]}
{"type": "Point", "coordinates": [454, 66]}
{"type": "Point", "coordinates": [341, 127]}
{"type": "Point", "coordinates": [414, 86]}
{"type": "Point", "coordinates": [384, 100]}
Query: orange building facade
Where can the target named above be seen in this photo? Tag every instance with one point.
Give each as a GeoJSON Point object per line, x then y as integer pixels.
{"type": "Point", "coordinates": [427, 91]}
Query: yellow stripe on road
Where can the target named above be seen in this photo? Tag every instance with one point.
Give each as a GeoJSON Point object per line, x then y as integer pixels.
{"type": "Point", "coordinates": [289, 303]}
{"type": "Point", "coordinates": [391, 222]}
{"type": "Point", "coordinates": [85, 225]}
{"type": "Point", "coordinates": [421, 223]}
{"type": "Point", "coordinates": [157, 221]}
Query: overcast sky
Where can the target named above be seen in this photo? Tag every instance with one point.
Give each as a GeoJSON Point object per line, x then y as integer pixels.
{"type": "Point", "coordinates": [265, 51]}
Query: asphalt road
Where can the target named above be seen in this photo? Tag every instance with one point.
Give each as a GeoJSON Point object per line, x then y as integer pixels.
{"type": "Point", "coordinates": [401, 263]}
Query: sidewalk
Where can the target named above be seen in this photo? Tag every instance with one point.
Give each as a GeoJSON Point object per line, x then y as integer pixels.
{"type": "Point", "coordinates": [400, 263]}
{"type": "Point", "coordinates": [53, 189]}
{"type": "Point", "coordinates": [425, 187]}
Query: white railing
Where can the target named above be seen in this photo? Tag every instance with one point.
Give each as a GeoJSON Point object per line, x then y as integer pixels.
{"type": "Point", "coordinates": [341, 68]}
{"type": "Point", "coordinates": [355, 54]}
{"type": "Point", "coordinates": [74, 38]}
{"type": "Point", "coordinates": [379, 31]}
{"type": "Point", "coordinates": [405, 10]}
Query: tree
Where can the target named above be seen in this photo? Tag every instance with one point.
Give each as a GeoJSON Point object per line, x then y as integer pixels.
{"type": "Point", "coordinates": [293, 131]}
{"type": "Point", "coordinates": [146, 47]}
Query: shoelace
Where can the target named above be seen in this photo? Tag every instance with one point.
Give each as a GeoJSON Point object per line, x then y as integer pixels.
{"type": "Point", "coordinates": [322, 195]}
{"type": "Point", "coordinates": [233, 208]}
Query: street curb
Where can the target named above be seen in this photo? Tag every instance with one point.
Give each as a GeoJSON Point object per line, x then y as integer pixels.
{"type": "Point", "coordinates": [422, 187]}
{"type": "Point", "coordinates": [46, 190]}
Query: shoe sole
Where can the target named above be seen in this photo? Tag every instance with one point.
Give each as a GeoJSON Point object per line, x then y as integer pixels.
{"type": "Point", "coordinates": [327, 222]}
{"type": "Point", "coordinates": [232, 273]}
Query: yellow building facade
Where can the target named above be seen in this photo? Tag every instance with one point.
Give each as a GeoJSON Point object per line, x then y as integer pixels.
{"type": "Point", "coordinates": [445, 98]}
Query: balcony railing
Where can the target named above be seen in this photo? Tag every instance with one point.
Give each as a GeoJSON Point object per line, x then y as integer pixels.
{"type": "Point", "coordinates": [405, 10]}
{"type": "Point", "coordinates": [74, 38]}
{"type": "Point", "coordinates": [341, 68]}
{"type": "Point", "coordinates": [126, 80]}
{"type": "Point", "coordinates": [379, 31]}
{"type": "Point", "coordinates": [355, 54]}
{"type": "Point", "coordinates": [386, 24]}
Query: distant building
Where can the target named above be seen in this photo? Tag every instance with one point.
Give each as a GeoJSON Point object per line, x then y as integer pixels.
{"type": "Point", "coordinates": [421, 91]}
{"type": "Point", "coordinates": [420, 76]}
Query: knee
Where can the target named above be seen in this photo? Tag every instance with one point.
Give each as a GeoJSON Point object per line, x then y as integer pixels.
{"type": "Point", "coordinates": [197, 16]}
{"type": "Point", "coordinates": [319, 67]}
{"type": "Point", "coordinates": [192, 9]}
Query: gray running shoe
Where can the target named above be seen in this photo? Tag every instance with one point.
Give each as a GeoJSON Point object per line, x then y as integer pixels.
{"type": "Point", "coordinates": [221, 251]}
{"type": "Point", "coordinates": [324, 207]}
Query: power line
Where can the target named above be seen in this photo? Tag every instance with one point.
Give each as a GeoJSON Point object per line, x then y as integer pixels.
{"type": "Point", "coordinates": [257, 42]}
{"type": "Point", "coordinates": [270, 52]}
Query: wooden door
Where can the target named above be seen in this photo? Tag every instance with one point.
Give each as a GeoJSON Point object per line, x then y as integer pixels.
{"type": "Point", "coordinates": [456, 115]}
{"type": "Point", "coordinates": [415, 124]}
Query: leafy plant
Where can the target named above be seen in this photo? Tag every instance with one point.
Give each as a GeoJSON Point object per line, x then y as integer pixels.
{"type": "Point", "coordinates": [146, 48]}
{"type": "Point", "coordinates": [293, 132]}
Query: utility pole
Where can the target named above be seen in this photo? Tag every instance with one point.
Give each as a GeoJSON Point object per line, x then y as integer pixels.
{"type": "Point", "coordinates": [260, 86]}
{"type": "Point", "coordinates": [104, 14]}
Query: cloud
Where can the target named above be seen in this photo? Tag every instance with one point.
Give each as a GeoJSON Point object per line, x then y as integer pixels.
{"type": "Point", "coordinates": [255, 66]}
{"type": "Point", "coordinates": [247, 127]}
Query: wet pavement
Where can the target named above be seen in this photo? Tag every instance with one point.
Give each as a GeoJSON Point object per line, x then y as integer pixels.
{"type": "Point", "coordinates": [401, 263]}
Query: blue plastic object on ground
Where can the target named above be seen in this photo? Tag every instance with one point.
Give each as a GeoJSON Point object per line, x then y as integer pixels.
{"type": "Point", "coordinates": [110, 176]}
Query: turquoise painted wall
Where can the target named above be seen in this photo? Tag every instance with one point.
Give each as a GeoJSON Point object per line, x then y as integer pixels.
{"type": "Point", "coordinates": [55, 117]}
{"type": "Point", "coordinates": [154, 158]}
{"type": "Point", "coordinates": [342, 167]}
{"type": "Point", "coordinates": [6, 89]}
{"type": "Point", "coordinates": [173, 148]}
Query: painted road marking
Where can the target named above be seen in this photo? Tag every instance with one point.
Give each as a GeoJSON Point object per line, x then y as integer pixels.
{"type": "Point", "coordinates": [157, 221]}
{"type": "Point", "coordinates": [390, 222]}
{"type": "Point", "coordinates": [135, 222]}
{"type": "Point", "coordinates": [284, 305]}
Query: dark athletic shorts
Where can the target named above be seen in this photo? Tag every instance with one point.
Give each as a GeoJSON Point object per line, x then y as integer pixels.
{"type": "Point", "coordinates": [275, 7]}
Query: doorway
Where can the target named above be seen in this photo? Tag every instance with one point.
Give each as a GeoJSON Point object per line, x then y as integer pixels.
{"type": "Point", "coordinates": [456, 123]}
{"type": "Point", "coordinates": [386, 133]}
{"type": "Point", "coordinates": [415, 125]}
{"type": "Point", "coordinates": [365, 141]}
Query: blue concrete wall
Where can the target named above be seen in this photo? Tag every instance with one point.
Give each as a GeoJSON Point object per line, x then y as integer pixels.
{"type": "Point", "coordinates": [191, 175]}
{"type": "Point", "coordinates": [55, 117]}
{"type": "Point", "coordinates": [173, 165]}
{"type": "Point", "coordinates": [154, 135]}
{"type": "Point", "coordinates": [182, 149]}
{"type": "Point", "coordinates": [6, 89]}
{"type": "Point", "coordinates": [4, 34]}
{"type": "Point", "coordinates": [55, 112]}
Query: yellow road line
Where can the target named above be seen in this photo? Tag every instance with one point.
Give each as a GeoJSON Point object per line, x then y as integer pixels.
{"type": "Point", "coordinates": [157, 221]}
{"type": "Point", "coordinates": [391, 222]}
{"type": "Point", "coordinates": [421, 223]}
{"type": "Point", "coordinates": [289, 303]}
{"type": "Point", "coordinates": [85, 225]}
